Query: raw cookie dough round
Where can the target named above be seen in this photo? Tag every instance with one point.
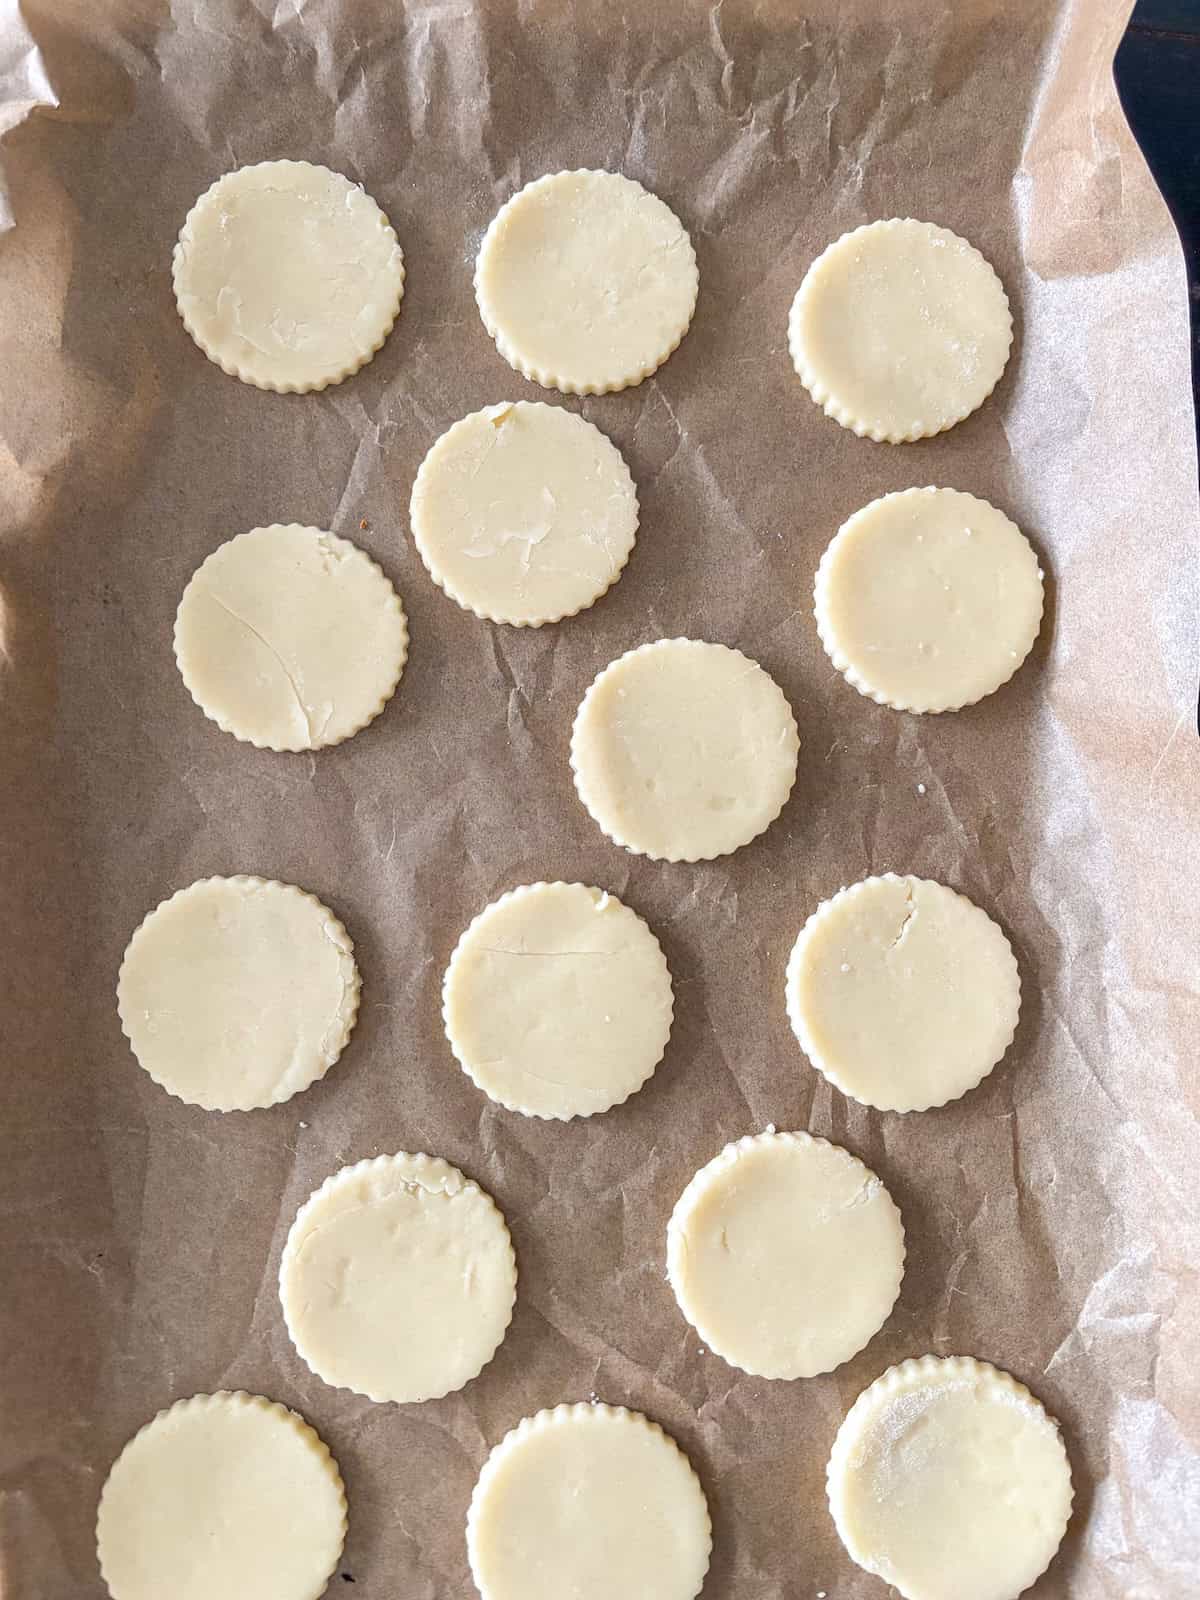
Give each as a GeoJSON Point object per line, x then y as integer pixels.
{"type": "Point", "coordinates": [287, 275]}
{"type": "Point", "coordinates": [290, 638]}
{"type": "Point", "coordinates": [590, 1501]}
{"type": "Point", "coordinates": [586, 281]}
{"type": "Point", "coordinates": [238, 992]}
{"type": "Point", "coordinates": [948, 1479]}
{"type": "Point", "coordinates": [902, 992]}
{"type": "Point", "coordinates": [222, 1497]}
{"type": "Point", "coordinates": [398, 1279]}
{"type": "Point", "coordinates": [929, 599]}
{"type": "Point", "coordinates": [785, 1254]}
{"type": "Point", "coordinates": [900, 329]}
{"type": "Point", "coordinates": [684, 751]}
{"type": "Point", "coordinates": [557, 1001]}
{"type": "Point", "coordinates": [524, 513]}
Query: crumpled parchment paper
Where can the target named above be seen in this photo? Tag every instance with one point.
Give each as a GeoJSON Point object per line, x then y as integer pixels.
{"type": "Point", "coordinates": [1052, 1215]}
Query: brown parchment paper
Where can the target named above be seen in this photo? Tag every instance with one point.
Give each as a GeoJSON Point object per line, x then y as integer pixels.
{"type": "Point", "coordinates": [1052, 1215]}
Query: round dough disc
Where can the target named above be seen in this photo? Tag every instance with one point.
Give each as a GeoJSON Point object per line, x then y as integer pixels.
{"type": "Point", "coordinates": [398, 1279]}
{"type": "Point", "coordinates": [290, 638]}
{"type": "Point", "coordinates": [903, 993]}
{"type": "Point", "coordinates": [590, 1501]}
{"type": "Point", "coordinates": [586, 282]}
{"type": "Point", "coordinates": [928, 600]}
{"type": "Point", "coordinates": [683, 751]}
{"type": "Point", "coordinates": [948, 1479]}
{"type": "Point", "coordinates": [785, 1254]}
{"type": "Point", "coordinates": [557, 1001]}
{"type": "Point", "coordinates": [900, 329]}
{"type": "Point", "coordinates": [238, 992]}
{"type": "Point", "coordinates": [524, 513]}
{"type": "Point", "coordinates": [287, 275]}
{"type": "Point", "coordinates": [222, 1497]}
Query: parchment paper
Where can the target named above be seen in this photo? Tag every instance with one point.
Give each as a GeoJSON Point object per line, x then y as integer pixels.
{"type": "Point", "coordinates": [1052, 1215]}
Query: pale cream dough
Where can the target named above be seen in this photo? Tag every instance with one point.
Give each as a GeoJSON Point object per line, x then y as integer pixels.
{"type": "Point", "coordinates": [398, 1279]}
{"type": "Point", "coordinates": [524, 513]}
{"type": "Point", "coordinates": [557, 1001]}
{"type": "Point", "coordinates": [592, 1502]}
{"type": "Point", "coordinates": [238, 992]}
{"type": "Point", "coordinates": [900, 329]}
{"type": "Point", "coordinates": [929, 599]}
{"type": "Point", "coordinates": [224, 1496]}
{"type": "Point", "coordinates": [785, 1254]}
{"type": "Point", "coordinates": [586, 281]}
{"type": "Point", "coordinates": [948, 1479]}
{"type": "Point", "coordinates": [287, 275]}
{"type": "Point", "coordinates": [902, 992]}
{"type": "Point", "coordinates": [290, 638]}
{"type": "Point", "coordinates": [683, 750]}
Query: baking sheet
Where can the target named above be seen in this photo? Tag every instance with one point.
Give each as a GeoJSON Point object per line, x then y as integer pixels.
{"type": "Point", "coordinates": [1052, 1215]}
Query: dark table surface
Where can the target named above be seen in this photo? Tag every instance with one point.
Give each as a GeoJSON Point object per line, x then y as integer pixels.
{"type": "Point", "coordinates": [1157, 71]}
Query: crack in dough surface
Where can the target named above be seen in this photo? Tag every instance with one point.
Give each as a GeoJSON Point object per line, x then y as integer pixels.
{"type": "Point", "coordinates": [902, 992]}
{"type": "Point", "coordinates": [557, 1001]}
{"type": "Point", "coordinates": [290, 638]}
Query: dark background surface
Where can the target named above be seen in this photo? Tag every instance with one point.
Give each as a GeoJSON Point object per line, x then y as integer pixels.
{"type": "Point", "coordinates": [1157, 69]}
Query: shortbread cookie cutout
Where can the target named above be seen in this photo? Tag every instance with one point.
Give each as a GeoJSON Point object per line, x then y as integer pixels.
{"type": "Point", "coordinates": [785, 1254]}
{"type": "Point", "coordinates": [398, 1279]}
{"type": "Point", "coordinates": [902, 992]}
{"type": "Point", "coordinates": [683, 750]}
{"type": "Point", "coordinates": [238, 992]}
{"type": "Point", "coordinates": [928, 600]}
{"type": "Point", "coordinates": [287, 275]}
{"type": "Point", "coordinates": [557, 1001]}
{"type": "Point", "coordinates": [524, 513]}
{"type": "Point", "coordinates": [900, 329]}
{"type": "Point", "coordinates": [590, 1501]}
{"type": "Point", "coordinates": [222, 1497]}
{"type": "Point", "coordinates": [586, 282]}
{"type": "Point", "coordinates": [290, 638]}
{"type": "Point", "coordinates": [948, 1479]}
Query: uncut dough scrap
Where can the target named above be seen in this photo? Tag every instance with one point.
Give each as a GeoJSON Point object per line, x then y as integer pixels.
{"type": "Point", "coordinates": [929, 599]}
{"type": "Point", "coordinates": [902, 992]}
{"type": "Point", "coordinates": [586, 281]}
{"type": "Point", "coordinates": [900, 329]}
{"type": "Point", "coordinates": [524, 513]}
{"type": "Point", "coordinates": [590, 1501]}
{"type": "Point", "coordinates": [238, 992]}
{"type": "Point", "coordinates": [290, 638]}
{"type": "Point", "coordinates": [287, 275]}
{"type": "Point", "coordinates": [683, 750]}
{"type": "Point", "coordinates": [948, 1479]}
{"type": "Point", "coordinates": [222, 1497]}
{"type": "Point", "coordinates": [557, 1001]}
{"type": "Point", "coordinates": [785, 1254]}
{"type": "Point", "coordinates": [398, 1279]}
